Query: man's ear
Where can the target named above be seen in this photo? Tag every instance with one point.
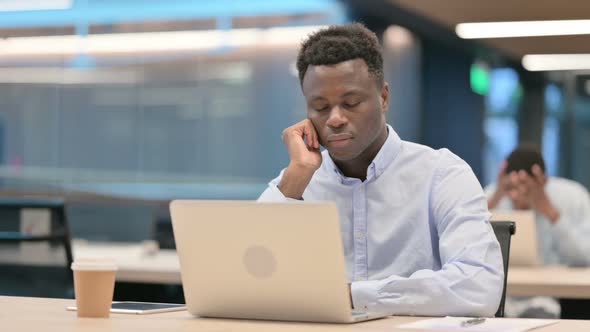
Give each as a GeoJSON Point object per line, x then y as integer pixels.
{"type": "Point", "coordinates": [539, 173]}
{"type": "Point", "coordinates": [384, 98]}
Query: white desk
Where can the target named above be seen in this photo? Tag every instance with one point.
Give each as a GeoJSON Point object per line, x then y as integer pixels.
{"type": "Point", "coordinates": [139, 264]}
{"type": "Point", "coordinates": [136, 263]}
{"type": "Point", "coordinates": [163, 267]}
{"type": "Point", "coordinates": [39, 314]}
{"type": "Point", "coordinates": [562, 282]}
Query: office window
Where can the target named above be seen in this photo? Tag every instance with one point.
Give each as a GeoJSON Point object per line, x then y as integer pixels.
{"type": "Point", "coordinates": [551, 128]}
{"type": "Point", "coordinates": [500, 124]}
{"type": "Point", "coordinates": [205, 125]}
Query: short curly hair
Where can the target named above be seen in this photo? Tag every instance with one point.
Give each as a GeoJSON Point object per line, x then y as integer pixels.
{"type": "Point", "coordinates": [523, 158]}
{"type": "Point", "coordinates": [339, 43]}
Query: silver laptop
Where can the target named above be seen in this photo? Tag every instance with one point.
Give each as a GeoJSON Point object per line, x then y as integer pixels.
{"type": "Point", "coordinates": [273, 261]}
{"type": "Point", "coordinates": [524, 247]}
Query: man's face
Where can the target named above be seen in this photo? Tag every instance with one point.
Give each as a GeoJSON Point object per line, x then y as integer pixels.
{"type": "Point", "coordinates": [520, 201]}
{"type": "Point", "coordinates": [520, 189]}
{"type": "Point", "coordinates": [346, 106]}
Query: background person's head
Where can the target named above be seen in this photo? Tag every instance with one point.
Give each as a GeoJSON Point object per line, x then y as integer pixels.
{"type": "Point", "coordinates": [341, 74]}
{"type": "Point", "coordinates": [523, 158]}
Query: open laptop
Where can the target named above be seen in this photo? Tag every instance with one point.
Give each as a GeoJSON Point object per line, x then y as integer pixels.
{"type": "Point", "coordinates": [273, 261]}
{"type": "Point", "coordinates": [524, 248]}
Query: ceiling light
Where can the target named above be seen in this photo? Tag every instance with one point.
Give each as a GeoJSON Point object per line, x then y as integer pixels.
{"type": "Point", "coordinates": [549, 62]}
{"type": "Point", "coordinates": [174, 41]}
{"type": "Point", "coordinates": [67, 76]}
{"type": "Point", "coordinates": [522, 29]}
{"type": "Point", "coordinates": [25, 5]}
{"type": "Point", "coordinates": [398, 37]}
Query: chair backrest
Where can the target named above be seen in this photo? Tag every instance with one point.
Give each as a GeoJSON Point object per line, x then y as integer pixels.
{"type": "Point", "coordinates": [40, 278]}
{"type": "Point", "coordinates": [504, 231]}
{"type": "Point", "coordinates": [162, 228]}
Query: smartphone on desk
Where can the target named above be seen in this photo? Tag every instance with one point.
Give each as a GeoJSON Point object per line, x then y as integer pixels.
{"type": "Point", "coordinates": [141, 308]}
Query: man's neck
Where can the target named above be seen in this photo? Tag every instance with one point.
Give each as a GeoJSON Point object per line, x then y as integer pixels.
{"type": "Point", "coordinates": [357, 167]}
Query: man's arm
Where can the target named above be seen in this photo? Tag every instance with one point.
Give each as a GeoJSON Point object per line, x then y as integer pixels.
{"type": "Point", "coordinates": [498, 193]}
{"type": "Point", "coordinates": [272, 192]}
{"type": "Point", "coordinates": [470, 281]}
{"type": "Point", "coordinates": [302, 143]}
{"type": "Point", "coordinates": [573, 230]}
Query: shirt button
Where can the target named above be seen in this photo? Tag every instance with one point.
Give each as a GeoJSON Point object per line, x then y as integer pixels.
{"type": "Point", "coordinates": [359, 235]}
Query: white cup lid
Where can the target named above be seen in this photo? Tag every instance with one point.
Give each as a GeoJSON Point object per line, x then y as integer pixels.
{"type": "Point", "coordinates": [94, 264]}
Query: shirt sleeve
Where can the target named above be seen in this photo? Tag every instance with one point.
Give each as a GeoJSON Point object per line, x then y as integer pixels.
{"type": "Point", "coordinates": [272, 194]}
{"type": "Point", "coordinates": [470, 281]}
{"type": "Point", "coordinates": [573, 230]}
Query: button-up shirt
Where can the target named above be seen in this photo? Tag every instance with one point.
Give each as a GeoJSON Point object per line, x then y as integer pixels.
{"type": "Point", "coordinates": [566, 241]}
{"type": "Point", "coordinates": [416, 233]}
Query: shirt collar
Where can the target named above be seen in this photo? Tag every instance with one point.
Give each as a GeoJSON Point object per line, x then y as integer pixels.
{"type": "Point", "coordinates": [383, 159]}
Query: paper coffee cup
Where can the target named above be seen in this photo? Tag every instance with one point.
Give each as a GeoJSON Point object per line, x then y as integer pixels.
{"type": "Point", "coordinates": [94, 284]}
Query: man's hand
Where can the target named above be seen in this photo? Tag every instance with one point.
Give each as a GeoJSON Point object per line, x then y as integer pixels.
{"type": "Point", "coordinates": [532, 188]}
{"type": "Point", "coordinates": [302, 155]}
{"type": "Point", "coordinates": [524, 189]}
{"type": "Point", "coordinates": [305, 159]}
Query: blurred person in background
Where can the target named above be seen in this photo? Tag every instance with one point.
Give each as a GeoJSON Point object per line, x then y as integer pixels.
{"type": "Point", "coordinates": [562, 213]}
{"type": "Point", "coordinates": [414, 221]}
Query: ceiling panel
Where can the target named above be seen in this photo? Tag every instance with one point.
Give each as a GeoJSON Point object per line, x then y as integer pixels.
{"type": "Point", "coordinates": [451, 12]}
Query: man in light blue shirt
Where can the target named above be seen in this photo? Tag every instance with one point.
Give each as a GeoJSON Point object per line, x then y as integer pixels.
{"type": "Point", "coordinates": [414, 221]}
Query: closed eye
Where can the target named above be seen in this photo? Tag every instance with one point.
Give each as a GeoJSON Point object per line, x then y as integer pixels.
{"type": "Point", "coordinates": [351, 105]}
{"type": "Point", "coordinates": [323, 109]}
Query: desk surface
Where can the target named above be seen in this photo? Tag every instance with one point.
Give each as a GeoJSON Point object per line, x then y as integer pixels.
{"type": "Point", "coordinates": [143, 263]}
{"type": "Point", "coordinates": [553, 281]}
{"type": "Point", "coordinates": [136, 263]}
{"type": "Point", "coordinates": [37, 314]}
{"type": "Point", "coordinates": [161, 266]}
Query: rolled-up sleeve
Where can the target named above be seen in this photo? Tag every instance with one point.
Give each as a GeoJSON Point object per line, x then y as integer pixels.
{"type": "Point", "coordinates": [471, 278]}
{"type": "Point", "coordinates": [272, 194]}
{"type": "Point", "coordinates": [572, 230]}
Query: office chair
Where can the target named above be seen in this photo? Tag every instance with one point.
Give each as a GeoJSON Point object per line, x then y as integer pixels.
{"type": "Point", "coordinates": [162, 231]}
{"type": "Point", "coordinates": [41, 280]}
{"type": "Point", "coordinates": [504, 231]}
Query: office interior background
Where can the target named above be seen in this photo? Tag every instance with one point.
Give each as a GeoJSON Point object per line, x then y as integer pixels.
{"type": "Point", "coordinates": [119, 106]}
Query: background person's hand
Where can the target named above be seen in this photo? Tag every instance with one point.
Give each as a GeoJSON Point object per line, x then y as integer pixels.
{"type": "Point", "coordinates": [517, 189]}
{"type": "Point", "coordinates": [502, 179]}
{"type": "Point", "coordinates": [529, 191]}
{"type": "Point", "coordinates": [539, 199]}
